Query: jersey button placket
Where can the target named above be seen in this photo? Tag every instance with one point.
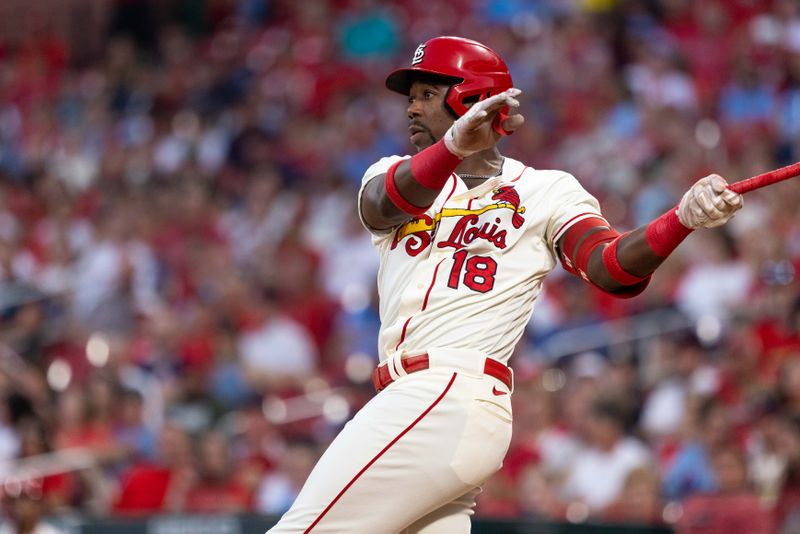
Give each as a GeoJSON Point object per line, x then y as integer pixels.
{"type": "Point", "coordinates": [414, 293]}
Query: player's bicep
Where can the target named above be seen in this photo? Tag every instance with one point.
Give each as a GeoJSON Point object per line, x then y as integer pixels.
{"type": "Point", "coordinates": [375, 208]}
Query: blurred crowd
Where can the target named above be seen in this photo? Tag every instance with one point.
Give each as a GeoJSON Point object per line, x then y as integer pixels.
{"type": "Point", "coordinates": [187, 298]}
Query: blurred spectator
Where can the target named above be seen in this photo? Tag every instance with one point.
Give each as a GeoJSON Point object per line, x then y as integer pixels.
{"type": "Point", "coordinates": [263, 217]}
{"type": "Point", "coordinates": [26, 514]}
{"type": "Point", "coordinates": [704, 33]}
{"type": "Point", "coordinates": [716, 283]}
{"type": "Point", "coordinates": [81, 426]}
{"type": "Point", "coordinates": [732, 507]}
{"type": "Point", "coordinates": [275, 350]}
{"type": "Point", "coordinates": [789, 387]}
{"type": "Point", "coordinates": [130, 430]}
{"type": "Point", "coordinates": [747, 100]}
{"type": "Point", "coordinates": [538, 439]}
{"type": "Point", "coordinates": [116, 274]}
{"type": "Point", "coordinates": [539, 494]}
{"type": "Point", "coordinates": [227, 382]}
{"type": "Point", "coordinates": [690, 470]}
{"type": "Point", "coordinates": [216, 490]}
{"type": "Point", "coordinates": [742, 388]}
{"type": "Point", "coordinates": [776, 328]}
{"type": "Point", "coordinates": [788, 106]}
{"type": "Point", "coordinates": [639, 502]}
{"type": "Point", "coordinates": [148, 487]}
{"type": "Point", "coordinates": [597, 475]}
{"type": "Point", "coordinates": [24, 330]}
{"type": "Point", "coordinates": [623, 378]}
{"type": "Point", "coordinates": [787, 508]}
{"type": "Point", "coordinates": [656, 80]}
{"type": "Point", "coordinates": [766, 460]}
{"type": "Point", "coordinates": [256, 446]}
{"type": "Point", "coordinates": [301, 295]}
{"type": "Point", "coordinates": [57, 491]}
{"type": "Point", "coordinates": [279, 489]}
{"type": "Point", "coordinates": [685, 374]}
{"type": "Point", "coordinates": [9, 440]}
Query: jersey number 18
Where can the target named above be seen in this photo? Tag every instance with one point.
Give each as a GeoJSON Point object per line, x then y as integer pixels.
{"type": "Point", "coordinates": [478, 272]}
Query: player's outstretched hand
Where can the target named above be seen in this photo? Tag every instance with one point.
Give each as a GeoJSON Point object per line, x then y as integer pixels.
{"type": "Point", "coordinates": [473, 131]}
{"type": "Point", "coordinates": [708, 203]}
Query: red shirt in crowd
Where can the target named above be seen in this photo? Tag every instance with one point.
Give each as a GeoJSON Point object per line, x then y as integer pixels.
{"type": "Point", "coordinates": [143, 490]}
{"type": "Point", "coordinates": [724, 514]}
{"type": "Point", "coordinates": [217, 497]}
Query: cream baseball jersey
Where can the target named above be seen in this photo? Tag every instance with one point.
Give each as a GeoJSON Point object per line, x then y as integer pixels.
{"type": "Point", "coordinates": [465, 275]}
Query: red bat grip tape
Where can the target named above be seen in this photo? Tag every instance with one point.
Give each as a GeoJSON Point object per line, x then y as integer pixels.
{"type": "Point", "coordinates": [761, 180]}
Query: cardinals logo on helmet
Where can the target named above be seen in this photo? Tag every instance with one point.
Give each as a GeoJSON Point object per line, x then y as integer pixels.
{"type": "Point", "coordinates": [419, 53]}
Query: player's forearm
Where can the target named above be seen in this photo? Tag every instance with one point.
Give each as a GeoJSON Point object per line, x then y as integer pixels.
{"type": "Point", "coordinates": [632, 257]}
{"type": "Point", "coordinates": [635, 254]}
{"type": "Point", "coordinates": [640, 252]}
{"type": "Point", "coordinates": [625, 262]}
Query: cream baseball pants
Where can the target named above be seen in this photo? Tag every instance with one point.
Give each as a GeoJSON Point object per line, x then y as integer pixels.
{"type": "Point", "coordinates": [411, 460]}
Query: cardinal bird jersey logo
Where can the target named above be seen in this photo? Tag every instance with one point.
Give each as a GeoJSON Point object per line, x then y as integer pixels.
{"type": "Point", "coordinates": [467, 272]}
{"type": "Point", "coordinates": [509, 195]}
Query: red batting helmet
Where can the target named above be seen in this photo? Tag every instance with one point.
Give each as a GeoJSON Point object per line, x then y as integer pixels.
{"type": "Point", "coordinates": [475, 70]}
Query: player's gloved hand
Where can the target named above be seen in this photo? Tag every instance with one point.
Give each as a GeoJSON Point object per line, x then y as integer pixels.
{"type": "Point", "coordinates": [708, 203]}
{"type": "Point", "coordinates": [473, 131]}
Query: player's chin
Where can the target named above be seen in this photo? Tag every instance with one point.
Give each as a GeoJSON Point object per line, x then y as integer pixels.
{"type": "Point", "coordinates": [418, 139]}
{"type": "Point", "coordinates": [422, 140]}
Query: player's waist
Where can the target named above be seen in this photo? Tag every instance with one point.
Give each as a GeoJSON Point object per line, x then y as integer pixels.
{"type": "Point", "coordinates": [400, 364]}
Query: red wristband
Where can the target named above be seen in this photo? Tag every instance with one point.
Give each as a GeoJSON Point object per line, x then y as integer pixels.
{"type": "Point", "coordinates": [611, 263]}
{"type": "Point", "coordinates": [665, 233]}
{"type": "Point", "coordinates": [432, 167]}
{"type": "Point", "coordinates": [394, 194]}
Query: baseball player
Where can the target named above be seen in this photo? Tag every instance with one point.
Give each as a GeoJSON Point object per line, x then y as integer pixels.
{"type": "Point", "coordinates": [466, 237]}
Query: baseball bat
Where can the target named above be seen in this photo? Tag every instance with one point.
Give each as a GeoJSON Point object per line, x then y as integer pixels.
{"type": "Point", "coordinates": [765, 179]}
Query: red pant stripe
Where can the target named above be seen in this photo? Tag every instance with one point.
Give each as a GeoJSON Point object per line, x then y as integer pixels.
{"type": "Point", "coordinates": [377, 456]}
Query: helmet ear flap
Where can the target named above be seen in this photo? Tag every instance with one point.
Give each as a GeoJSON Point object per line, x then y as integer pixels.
{"type": "Point", "coordinates": [447, 105]}
{"type": "Point", "coordinates": [458, 100]}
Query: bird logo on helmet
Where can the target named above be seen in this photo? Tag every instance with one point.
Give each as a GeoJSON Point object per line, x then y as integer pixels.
{"type": "Point", "coordinates": [473, 70]}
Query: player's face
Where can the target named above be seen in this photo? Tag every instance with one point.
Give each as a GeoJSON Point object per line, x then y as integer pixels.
{"type": "Point", "coordinates": [428, 119]}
